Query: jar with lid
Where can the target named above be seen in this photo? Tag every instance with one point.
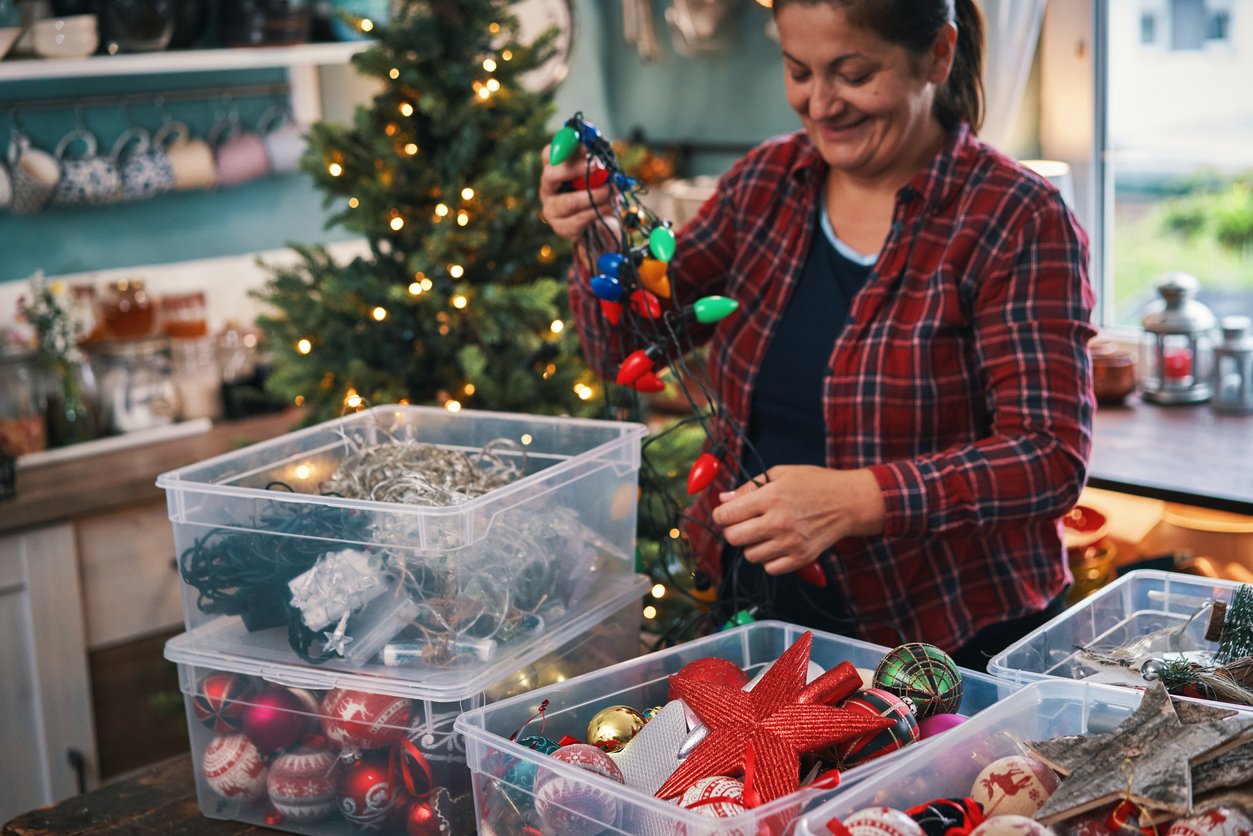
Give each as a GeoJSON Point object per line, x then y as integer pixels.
{"type": "Point", "coordinates": [22, 428]}
{"type": "Point", "coordinates": [1177, 350]}
{"type": "Point", "coordinates": [127, 310]}
{"type": "Point", "coordinates": [197, 377]}
{"type": "Point", "coordinates": [1233, 368]}
{"type": "Point", "coordinates": [184, 316]}
{"type": "Point", "coordinates": [137, 384]}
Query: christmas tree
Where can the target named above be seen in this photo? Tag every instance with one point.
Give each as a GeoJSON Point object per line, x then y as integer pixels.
{"type": "Point", "coordinates": [461, 301]}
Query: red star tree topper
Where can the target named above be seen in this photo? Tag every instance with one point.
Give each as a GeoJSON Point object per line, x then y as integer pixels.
{"type": "Point", "coordinates": [771, 719]}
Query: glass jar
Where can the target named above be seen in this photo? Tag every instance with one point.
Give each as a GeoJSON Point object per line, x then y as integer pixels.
{"type": "Point", "coordinates": [70, 403]}
{"type": "Point", "coordinates": [22, 427]}
{"type": "Point", "coordinates": [197, 377]}
{"type": "Point", "coordinates": [184, 316]}
{"type": "Point", "coordinates": [137, 385]}
{"type": "Point", "coordinates": [1177, 350]}
{"type": "Point", "coordinates": [127, 310]}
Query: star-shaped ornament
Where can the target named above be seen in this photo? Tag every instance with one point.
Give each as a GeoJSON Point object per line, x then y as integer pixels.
{"type": "Point", "coordinates": [1147, 759]}
{"type": "Point", "coordinates": [771, 721]}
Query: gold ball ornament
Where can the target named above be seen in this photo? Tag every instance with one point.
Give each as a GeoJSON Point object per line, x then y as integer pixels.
{"type": "Point", "coordinates": [613, 727]}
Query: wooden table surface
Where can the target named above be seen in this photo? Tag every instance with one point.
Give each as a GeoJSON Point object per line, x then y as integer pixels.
{"type": "Point", "coordinates": [158, 800]}
{"type": "Point", "coordinates": [97, 484]}
{"type": "Point", "coordinates": [1187, 454]}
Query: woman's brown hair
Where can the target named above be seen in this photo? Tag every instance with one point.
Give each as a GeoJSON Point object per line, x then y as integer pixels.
{"type": "Point", "coordinates": [914, 25]}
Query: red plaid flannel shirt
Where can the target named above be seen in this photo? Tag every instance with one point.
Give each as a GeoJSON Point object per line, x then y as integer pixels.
{"type": "Point", "coordinates": [962, 379]}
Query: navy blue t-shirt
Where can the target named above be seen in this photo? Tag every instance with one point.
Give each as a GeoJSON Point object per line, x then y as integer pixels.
{"type": "Point", "coordinates": [787, 425]}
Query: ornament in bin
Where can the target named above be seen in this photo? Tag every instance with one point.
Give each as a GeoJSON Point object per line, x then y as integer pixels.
{"type": "Point", "coordinates": [519, 776]}
{"type": "Point", "coordinates": [430, 816]}
{"type": "Point", "coordinates": [923, 673]}
{"type": "Point", "coordinates": [234, 769]}
{"type": "Point", "coordinates": [612, 728]}
{"type": "Point", "coordinates": [364, 720]}
{"type": "Point", "coordinates": [304, 784]}
{"type": "Point", "coordinates": [877, 703]}
{"type": "Point", "coordinates": [369, 797]}
{"type": "Point", "coordinates": [1220, 821]}
{"type": "Point", "coordinates": [938, 723]}
{"type": "Point", "coordinates": [947, 816]}
{"type": "Point", "coordinates": [879, 821]}
{"type": "Point", "coordinates": [1012, 826]}
{"type": "Point", "coordinates": [221, 699]}
{"type": "Point", "coordinates": [573, 807]}
{"type": "Point", "coordinates": [274, 720]}
{"type": "Point", "coordinates": [1017, 785]}
{"type": "Point", "coordinates": [711, 669]}
{"type": "Point", "coordinates": [716, 796]}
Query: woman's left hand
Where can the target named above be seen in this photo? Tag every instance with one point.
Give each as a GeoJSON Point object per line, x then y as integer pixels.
{"type": "Point", "coordinates": [786, 522]}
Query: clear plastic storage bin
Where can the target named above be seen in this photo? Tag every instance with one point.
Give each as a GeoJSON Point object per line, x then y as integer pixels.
{"type": "Point", "coordinates": [318, 751]}
{"type": "Point", "coordinates": [641, 683]}
{"type": "Point", "coordinates": [276, 570]}
{"type": "Point", "coordinates": [1037, 712]}
{"type": "Point", "coordinates": [1141, 605]}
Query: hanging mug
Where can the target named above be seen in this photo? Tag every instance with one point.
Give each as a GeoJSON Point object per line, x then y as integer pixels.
{"type": "Point", "coordinates": [6, 186]}
{"type": "Point", "coordinates": [35, 176]}
{"type": "Point", "coordinates": [89, 180]}
{"type": "Point", "coordinates": [146, 168]}
{"type": "Point", "coordinates": [190, 159]}
{"type": "Point", "coordinates": [241, 154]}
{"type": "Point", "coordinates": [284, 140]}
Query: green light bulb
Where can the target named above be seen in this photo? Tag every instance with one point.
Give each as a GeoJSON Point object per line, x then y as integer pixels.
{"type": "Point", "coordinates": [564, 142]}
{"type": "Point", "coordinates": [661, 242]}
{"type": "Point", "coordinates": [711, 309]}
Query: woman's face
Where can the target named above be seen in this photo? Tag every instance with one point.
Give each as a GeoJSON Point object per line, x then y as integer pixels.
{"type": "Point", "coordinates": [865, 103]}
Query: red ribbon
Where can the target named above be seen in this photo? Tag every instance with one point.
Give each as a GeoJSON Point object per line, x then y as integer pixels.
{"type": "Point", "coordinates": [751, 797]}
{"type": "Point", "coordinates": [543, 706]}
{"type": "Point", "coordinates": [407, 747]}
{"type": "Point", "coordinates": [567, 740]}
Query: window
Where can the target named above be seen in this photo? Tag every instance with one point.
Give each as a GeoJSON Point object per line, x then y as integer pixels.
{"type": "Point", "coordinates": [1161, 141]}
{"type": "Point", "coordinates": [1148, 28]}
{"type": "Point", "coordinates": [1180, 156]}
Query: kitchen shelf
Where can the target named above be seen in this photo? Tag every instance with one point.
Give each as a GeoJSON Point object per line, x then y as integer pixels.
{"type": "Point", "coordinates": [180, 61]}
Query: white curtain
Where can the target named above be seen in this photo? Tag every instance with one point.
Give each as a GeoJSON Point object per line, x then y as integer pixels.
{"type": "Point", "coordinates": [1013, 30]}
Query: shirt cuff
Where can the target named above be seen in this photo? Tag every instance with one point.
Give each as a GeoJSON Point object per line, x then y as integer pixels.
{"type": "Point", "coordinates": [904, 498]}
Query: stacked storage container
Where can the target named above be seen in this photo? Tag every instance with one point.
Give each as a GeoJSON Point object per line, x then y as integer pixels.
{"type": "Point", "coordinates": [331, 641]}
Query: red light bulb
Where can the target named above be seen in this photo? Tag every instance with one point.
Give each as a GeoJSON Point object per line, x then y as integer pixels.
{"type": "Point", "coordinates": [635, 366]}
{"type": "Point", "coordinates": [646, 303]}
{"type": "Point", "coordinates": [649, 384]}
{"type": "Point", "coordinates": [812, 573]}
{"type": "Point", "coordinates": [704, 470]}
{"type": "Point", "coordinates": [596, 179]}
{"type": "Point", "coordinates": [612, 311]}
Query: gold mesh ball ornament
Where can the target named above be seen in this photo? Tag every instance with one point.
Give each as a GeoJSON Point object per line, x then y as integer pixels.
{"type": "Point", "coordinates": [611, 728]}
{"type": "Point", "coordinates": [924, 674]}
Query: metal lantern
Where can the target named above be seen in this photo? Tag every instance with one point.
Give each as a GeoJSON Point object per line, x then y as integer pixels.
{"type": "Point", "coordinates": [1233, 368]}
{"type": "Point", "coordinates": [1176, 352]}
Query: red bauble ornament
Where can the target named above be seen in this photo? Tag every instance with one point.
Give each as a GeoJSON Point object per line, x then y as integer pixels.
{"type": "Point", "coordinates": [233, 768]}
{"type": "Point", "coordinates": [877, 703]}
{"type": "Point", "coordinates": [572, 807]}
{"type": "Point", "coordinates": [364, 720]}
{"type": "Point", "coordinates": [368, 795]}
{"type": "Point", "coordinates": [221, 699]}
{"type": "Point", "coordinates": [273, 720]}
{"type": "Point", "coordinates": [711, 669]}
{"type": "Point", "coordinates": [304, 784]}
{"type": "Point", "coordinates": [704, 470]}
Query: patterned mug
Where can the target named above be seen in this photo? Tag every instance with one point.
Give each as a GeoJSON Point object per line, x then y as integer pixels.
{"type": "Point", "coordinates": [241, 155]}
{"type": "Point", "coordinates": [89, 180]}
{"type": "Point", "coordinates": [191, 159]}
{"type": "Point", "coordinates": [284, 140]}
{"type": "Point", "coordinates": [35, 175]}
{"type": "Point", "coordinates": [6, 186]}
{"type": "Point", "coordinates": [146, 168]}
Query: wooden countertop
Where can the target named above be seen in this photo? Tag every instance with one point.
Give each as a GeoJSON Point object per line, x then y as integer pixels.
{"type": "Point", "coordinates": [1187, 454]}
{"type": "Point", "coordinates": [96, 484]}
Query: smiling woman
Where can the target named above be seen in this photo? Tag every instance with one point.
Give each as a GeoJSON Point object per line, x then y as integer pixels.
{"type": "Point", "coordinates": [908, 374]}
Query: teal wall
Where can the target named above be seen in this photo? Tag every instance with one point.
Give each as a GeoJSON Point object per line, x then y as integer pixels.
{"type": "Point", "coordinates": [732, 98]}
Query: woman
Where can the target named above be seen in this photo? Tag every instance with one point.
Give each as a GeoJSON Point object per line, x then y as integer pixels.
{"type": "Point", "coordinates": [909, 360]}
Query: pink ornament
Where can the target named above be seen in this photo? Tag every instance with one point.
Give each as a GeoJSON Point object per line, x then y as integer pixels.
{"type": "Point", "coordinates": [713, 669]}
{"type": "Point", "coordinates": [233, 768]}
{"type": "Point", "coordinates": [716, 796]}
{"type": "Point", "coordinates": [1221, 821]}
{"type": "Point", "coordinates": [938, 723]}
{"type": "Point", "coordinates": [1011, 826]}
{"type": "Point", "coordinates": [364, 720]}
{"type": "Point", "coordinates": [575, 807]}
{"type": "Point", "coordinates": [882, 821]}
{"type": "Point", "coordinates": [368, 796]}
{"type": "Point", "coordinates": [303, 784]}
{"type": "Point", "coordinates": [1014, 786]}
{"type": "Point", "coordinates": [273, 720]}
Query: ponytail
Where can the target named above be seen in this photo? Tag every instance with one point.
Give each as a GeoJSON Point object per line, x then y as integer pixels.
{"type": "Point", "coordinates": [961, 97]}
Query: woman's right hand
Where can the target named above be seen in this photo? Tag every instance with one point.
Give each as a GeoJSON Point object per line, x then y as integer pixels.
{"type": "Point", "coordinates": [570, 212]}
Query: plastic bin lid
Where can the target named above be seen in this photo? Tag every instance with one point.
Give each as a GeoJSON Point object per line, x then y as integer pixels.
{"type": "Point", "coordinates": [206, 647]}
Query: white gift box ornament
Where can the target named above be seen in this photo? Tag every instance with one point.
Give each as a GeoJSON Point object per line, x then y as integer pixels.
{"type": "Point", "coordinates": [338, 584]}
